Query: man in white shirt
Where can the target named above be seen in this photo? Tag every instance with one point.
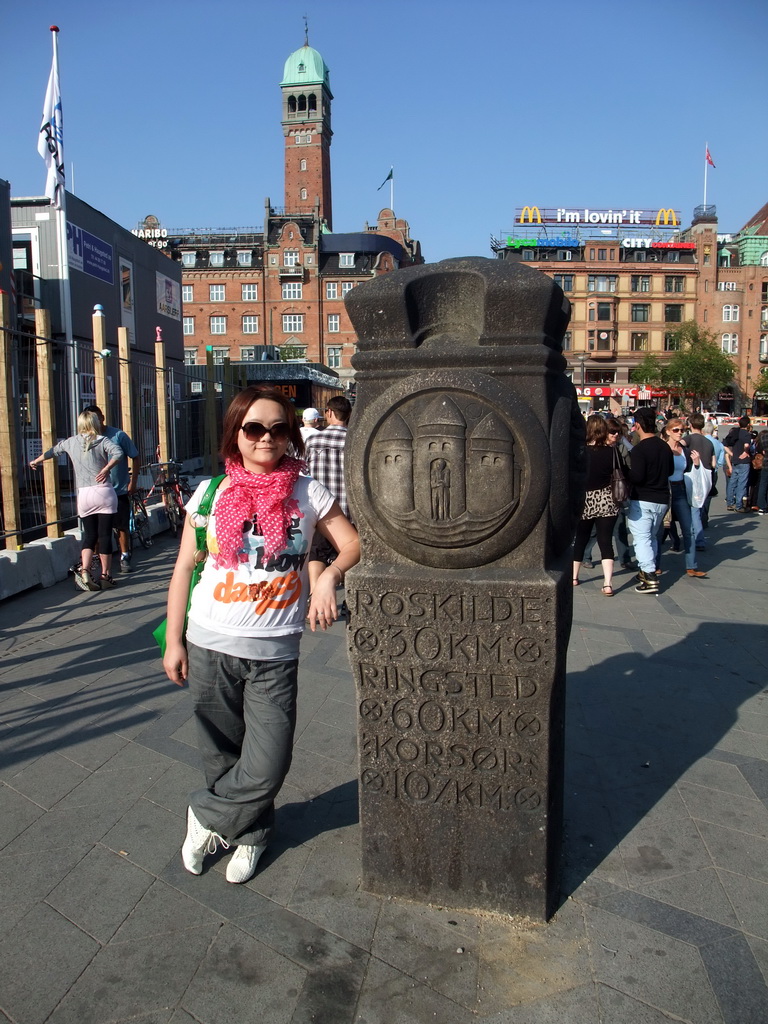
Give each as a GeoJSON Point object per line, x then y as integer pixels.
{"type": "Point", "coordinates": [311, 418]}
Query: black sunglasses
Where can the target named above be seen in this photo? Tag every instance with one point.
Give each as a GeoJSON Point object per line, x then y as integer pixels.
{"type": "Point", "coordinates": [254, 431]}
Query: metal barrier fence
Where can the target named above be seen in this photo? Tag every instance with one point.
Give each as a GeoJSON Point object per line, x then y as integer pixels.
{"type": "Point", "coordinates": [44, 382]}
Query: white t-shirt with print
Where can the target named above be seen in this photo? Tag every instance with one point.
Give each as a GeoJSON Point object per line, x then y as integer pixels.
{"type": "Point", "coordinates": [253, 600]}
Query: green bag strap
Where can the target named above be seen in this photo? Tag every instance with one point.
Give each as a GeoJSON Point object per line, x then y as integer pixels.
{"type": "Point", "coordinates": [204, 509]}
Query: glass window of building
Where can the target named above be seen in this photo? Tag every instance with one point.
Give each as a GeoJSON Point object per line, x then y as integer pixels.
{"type": "Point", "coordinates": [673, 314]}
{"type": "Point", "coordinates": [187, 293]}
{"type": "Point", "coordinates": [671, 342]}
{"type": "Point", "coordinates": [220, 354]}
{"type": "Point", "coordinates": [216, 259]}
{"type": "Point", "coordinates": [638, 341]}
{"type": "Point", "coordinates": [640, 312]}
{"type": "Point", "coordinates": [672, 256]}
{"type": "Point", "coordinates": [292, 290]}
{"type": "Point", "coordinates": [640, 283]}
{"type": "Point", "coordinates": [346, 287]}
{"type": "Point", "coordinates": [190, 356]}
{"type": "Point", "coordinates": [674, 283]}
{"type": "Point", "coordinates": [188, 259]}
{"type": "Point", "coordinates": [333, 323]}
{"type": "Point", "coordinates": [730, 314]}
{"type": "Point", "coordinates": [602, 254]}
{"type": "Point", "coordinates": [730, 344]}
{"type": "Point", "coordinates": [331, 290]}
{"type": "Point", "coordinates": [293, 323]}
{"type": "Point", "coordinates": [247, 354]}
{"type": "Point", "coordinates": [346, 259]}
{"type": "Point", "coordinates": [249, 292]}
{"type": "Point", "coordinates": [218, 325]}
{"type": "Point", "coordinates": [217, 292]}
{"type": "Point", "coordinates": [764, 348]}
{"type": "Point", "coordinates": [565, 281]}
{"type": "Point", "coordinates": [601, 283]}
{"type": "Point", "coordinates": [567, 341]}
{"type": "Point", "coordinates": [333, 353]}
{"type": "Point", "coordinates": [250, 324]}
{"type": "Point", "coordinates": [244, 258]}
{"type": "Point", "coordinates": [291, 258]}
{"type": "Point", "coordinates": [188, 325]}
{"type": "Point", "coordinates": [604, 311]}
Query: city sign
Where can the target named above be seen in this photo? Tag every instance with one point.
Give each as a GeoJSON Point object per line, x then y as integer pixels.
{"type": "Point", "coordinates": [664, 217]}
{"type": "Point", "coordinates": [563, 242]}
{"type": "Point", "coordinates": [648, 243]}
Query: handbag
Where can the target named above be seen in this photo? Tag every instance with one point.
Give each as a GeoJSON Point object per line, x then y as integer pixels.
{"type": "Point", "coordinates": [619, 485]}
{"type": "Point", "coordinates": [201, 546]}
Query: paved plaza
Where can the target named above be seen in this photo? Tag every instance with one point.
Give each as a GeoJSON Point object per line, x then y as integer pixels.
{"type": "Point", "coordinates": [664, 914]}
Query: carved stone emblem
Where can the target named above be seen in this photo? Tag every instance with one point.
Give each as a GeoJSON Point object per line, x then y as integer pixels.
{"type": "Point", "coordinates": [445, 472]}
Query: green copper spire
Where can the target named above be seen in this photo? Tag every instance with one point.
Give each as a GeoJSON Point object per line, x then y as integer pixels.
{"type": "Point", "coordinates": [305, 67]}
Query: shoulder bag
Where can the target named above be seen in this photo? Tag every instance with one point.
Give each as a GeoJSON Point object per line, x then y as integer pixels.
{"type": "Point", "coordinates": [619, 486]}
{"type": "Point", "coordinates": [201, 545]}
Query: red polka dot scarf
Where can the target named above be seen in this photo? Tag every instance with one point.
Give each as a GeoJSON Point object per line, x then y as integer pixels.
{"type": "Point", "coordinates": [263, 498]}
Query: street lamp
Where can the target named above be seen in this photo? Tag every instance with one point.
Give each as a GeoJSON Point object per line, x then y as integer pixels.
{"type": "Point", "coordinates": [582, 359]}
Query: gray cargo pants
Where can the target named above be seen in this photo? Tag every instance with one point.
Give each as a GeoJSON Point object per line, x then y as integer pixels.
{"type": "Point", "coordinates": [246, 716]}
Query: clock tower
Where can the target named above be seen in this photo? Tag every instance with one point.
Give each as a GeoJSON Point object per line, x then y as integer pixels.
{"type": "Point", "coordinates": [307, 129]}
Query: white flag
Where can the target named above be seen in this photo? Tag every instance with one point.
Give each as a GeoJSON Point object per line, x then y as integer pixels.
{"type": "Point", "coordinates": [50, 144]}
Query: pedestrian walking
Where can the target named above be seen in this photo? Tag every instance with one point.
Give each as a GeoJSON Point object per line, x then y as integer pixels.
{"type": "Point", "coordinates": [600, 508]}
{"type": "Point", "coordinates": [689, 483]}
{"type": "Point", "coordinates": [92, 456]}
{"type": "Point", "coordinates": [651, 465]}
{"type": "Point", "coordinates": [125, 480]}
{"type": "Point", "coordinates": [325, 461]}
{"type": "Point", "coordinates": [245, 622]}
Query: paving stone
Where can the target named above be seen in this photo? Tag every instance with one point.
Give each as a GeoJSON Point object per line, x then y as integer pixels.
{"type": "Point", "coordinates": [619, 1008]}
{"type": "Point", "coordinates": [147, 835]}
{"type": "Point", "coordinates": [25, 878]}
{"type": "Point", "coordinates": [639, 961]}
{"type": "Point", "coordinates": [163, 911]}
{"type": "Point", "coordinates": [17, 812]}
{"type": "Point", "coordinates": [744, 814]}
{"type": "Point", "coordinates": [48, 779]}
{"type": "Point", "coordinates": [749, 898]}
{"type": "Point", "coordinates": [352, 916]}
{"type": "Point", "coordinates": [41, 937]}
{"type": "Point", "coordinates": [241, 979]}
{"type": "Point", "coordinates": [668, 847]}
{"type": "Point", "coordinates": [63, 828]}
{"type": "Point", "coordinates": [100, 892]}
{"type": "Point", "coordinates": [698, 892]}
{"type": "Point", "coordinates": [736, 851]}
{"type": "Point", "coordinates": [717, 775]}
{"type": "Point", "coordinates": [172, 789]}
{"type": "Point", "coordinates": [577, 1005]}
{"type": "Point", "coordinates": [737, 980]}
{"type": "Point", "coordinates": [140, 977]}
{"type": "Point", "coordinates": [391, 997]}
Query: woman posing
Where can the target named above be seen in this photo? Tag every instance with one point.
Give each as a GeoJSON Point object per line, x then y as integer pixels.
{"type": "Point", "coordinates": [689, 482]}
{"type": "Point", "coordinates": [245, 623]}
{"type": "Point", "coordinates": [600, 510]}
{"type": "Point", "coordinates": [92, 456]}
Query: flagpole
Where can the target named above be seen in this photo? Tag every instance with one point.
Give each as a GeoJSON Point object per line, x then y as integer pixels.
{"type": "Point", "coordinates": [706, 151]}
{"type": "Point", "coordinates": [56, 184]}
{"type": "Point", "coordinates": [392, 190]}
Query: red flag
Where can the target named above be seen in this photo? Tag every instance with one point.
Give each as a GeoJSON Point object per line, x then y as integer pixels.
{"type": "Point", "coordinates": [710, 161]}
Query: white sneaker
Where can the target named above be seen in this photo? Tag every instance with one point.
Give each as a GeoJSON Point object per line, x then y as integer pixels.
{"type": "Point", "coordinates": [243, 862]}
{"type": "Point", "coordinates": [199, 841]}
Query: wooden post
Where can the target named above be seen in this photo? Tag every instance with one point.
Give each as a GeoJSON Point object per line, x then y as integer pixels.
{"type": "Point", "coordinates": [211, 458]}
{"type": "Point", "coordinates": [100, 360]}
{"type": "Point", "coordinates": [47, 408]}
{"type": "Point", "coordinates": [124, 356]}
{"type": "Point", "coordinates": [162, 397]}
{"type": "Point", "coordinates": [9, 466]}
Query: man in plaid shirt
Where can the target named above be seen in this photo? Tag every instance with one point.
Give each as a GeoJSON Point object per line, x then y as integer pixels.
{"type": "Point", "coordinates": [324, 452]}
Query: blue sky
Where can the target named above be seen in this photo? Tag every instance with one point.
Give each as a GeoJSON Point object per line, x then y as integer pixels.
{"type": "Point", "coordinates": [173, 108]}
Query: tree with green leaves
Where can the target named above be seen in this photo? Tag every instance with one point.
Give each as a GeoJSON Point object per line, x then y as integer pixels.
{"type": "Point", "coordinates": [698, 367]}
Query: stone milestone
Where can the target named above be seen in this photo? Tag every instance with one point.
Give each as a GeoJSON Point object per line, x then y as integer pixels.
{"type": "Point", "coordinates": [465, 474]}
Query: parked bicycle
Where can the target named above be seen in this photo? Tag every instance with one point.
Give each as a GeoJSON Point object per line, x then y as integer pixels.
{"type": "Point", "coordinates": [139, 521]}
{"type": "Point", "coordinates": [175, 491]}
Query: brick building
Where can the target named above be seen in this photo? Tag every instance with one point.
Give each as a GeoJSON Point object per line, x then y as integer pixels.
{"type": "Point", "coordinates": [633, 276]}
{"type": "Point", "coordinates": [277, 290]}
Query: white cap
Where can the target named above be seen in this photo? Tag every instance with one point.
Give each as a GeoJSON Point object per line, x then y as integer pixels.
{"type": "Point", "coordinates": [310, 415]}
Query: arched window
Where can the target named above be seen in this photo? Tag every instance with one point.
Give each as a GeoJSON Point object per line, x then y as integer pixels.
{"type": "Point", "coordinates": [302, 103]}
{"type": "Point", "coordinates": [303, 193]}
{"type": "Point", "coordinates": [312, 102]}
{"type": "Point", "coordinates": [730, 344]}
{"type": "Point", "coordinates": [730, 314]}
{"type": "Point", "coordinates": [302, 165]}
{"type": "Point", "coordinates": [764, 260]}
{"type": "Point", "coordinates": [291, 104]}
